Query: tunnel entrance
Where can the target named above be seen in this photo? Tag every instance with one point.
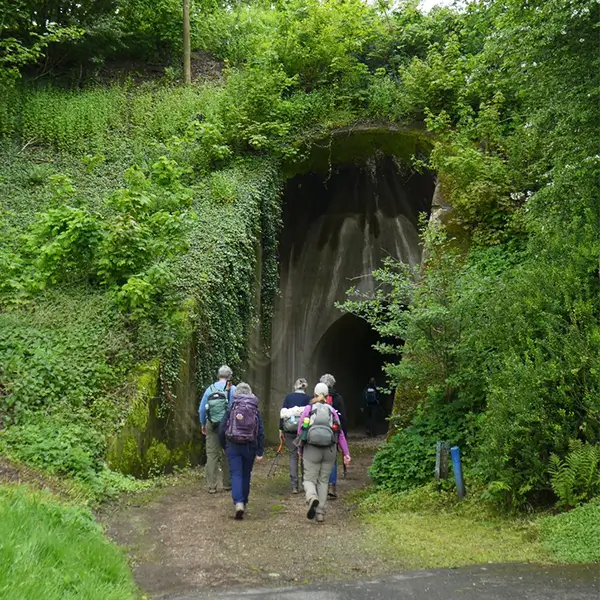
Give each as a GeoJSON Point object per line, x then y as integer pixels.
{"type": "Point", "coordinates": [346, 351]}
{"type": "Point", "coordinates": [338, 225]}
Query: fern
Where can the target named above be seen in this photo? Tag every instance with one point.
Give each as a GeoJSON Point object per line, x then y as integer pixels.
{"type": "Point", "coordinates": [576, 478]}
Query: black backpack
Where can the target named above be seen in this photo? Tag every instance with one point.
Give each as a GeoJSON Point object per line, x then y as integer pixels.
{"type": "Point", "coordinates": [371, 396]}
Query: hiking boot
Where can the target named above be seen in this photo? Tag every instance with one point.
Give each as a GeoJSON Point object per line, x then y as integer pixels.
{"type": "Point", "coordinates": [332, 490]}
{"type": "Point", "coordinates": [239, 511]}
{"type": "Point", "coordinates": [312, 508]}
{"type": "Point", "coordinates": [320, 517]}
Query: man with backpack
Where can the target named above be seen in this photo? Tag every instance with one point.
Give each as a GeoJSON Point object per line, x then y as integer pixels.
{"type": "Point", "coordinates": [293, 404]}
{"type": "Point", "coordinates": [371, 400]}
{"type": "Point", "coordinates": [242, 436]}
{"type": "Point", "coordinates": [215, 402]}
{"type": "Point", "coordinates": [338, 403]}
{"type": "Point", "coordinates": [320, 432]}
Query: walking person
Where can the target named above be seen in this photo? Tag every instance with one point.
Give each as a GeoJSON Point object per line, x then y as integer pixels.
{"type": "Point", "coordinates": [371, 400]}
{"type": "Point", "coordinates": [215, 402]}
{"type": "Point", "coordinates": [338, 403]}
{"type": "Point", "coordinates": [320, 432]}
{"type": "Point", "coordinates": [242, 435]}
{"type": "Point", "coordinates": [293, 405]}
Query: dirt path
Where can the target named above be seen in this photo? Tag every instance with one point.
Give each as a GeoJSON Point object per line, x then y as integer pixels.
{"type": "Point", "coordinates": [184, 540]}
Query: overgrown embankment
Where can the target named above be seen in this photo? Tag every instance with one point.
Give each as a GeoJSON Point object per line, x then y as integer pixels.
{"type": "Point", "coordinates": [114, 260]}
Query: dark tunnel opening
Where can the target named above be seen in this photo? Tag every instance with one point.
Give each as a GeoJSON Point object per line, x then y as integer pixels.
{"type": "Point", "coordinates": [346, 351]}
{"type": "Point", "coordinates": [337, 228]}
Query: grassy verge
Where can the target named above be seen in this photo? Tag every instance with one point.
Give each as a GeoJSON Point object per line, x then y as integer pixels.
{"type": "Point", "coordinates": [574, 537]}
{"type": "Point", "coordinates": [427, 529]}
{"type": "Point", "coordinates": [56, 551]}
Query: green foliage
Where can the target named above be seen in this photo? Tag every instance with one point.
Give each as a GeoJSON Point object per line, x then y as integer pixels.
{"type": "Point", "coordinates": [48, 360]}
{"type": "Point", "coordinates": [407, 459]}
{"type": "Point", "coordinates": [573, 537]}
{"type": "Point", "coordinates": [57, 551]}
{"type": "Point", "coordinates": [67, 448]}
{"type": "Point", "coordinates": [576, 479]}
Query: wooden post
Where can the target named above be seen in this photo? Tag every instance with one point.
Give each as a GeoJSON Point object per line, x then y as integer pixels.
{"type": "Point", "coordinates": [187, 52]}
{"type": "Point", "coordinates": [442, 462]}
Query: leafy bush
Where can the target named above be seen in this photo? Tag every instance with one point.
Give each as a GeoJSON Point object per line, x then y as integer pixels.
{"type": "Point", "coordinates": [576, 479]}
{"type": "Point", "coordinates": [407, 459]}
{"type": "Point", "coordinates": [68, 448]}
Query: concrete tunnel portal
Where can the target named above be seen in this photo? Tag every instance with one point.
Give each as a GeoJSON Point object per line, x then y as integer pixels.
{"type": "Point", "coordinates": [337, 227]}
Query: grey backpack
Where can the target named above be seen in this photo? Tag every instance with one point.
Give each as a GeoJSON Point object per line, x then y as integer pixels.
{"type": "Point", "coordinates": [290, 424]}
{"type": "Point", "coordinates": [321, 430]}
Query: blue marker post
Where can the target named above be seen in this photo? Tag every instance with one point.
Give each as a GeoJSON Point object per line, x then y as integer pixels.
{"type": "Point", "coordinates": [457, 468]}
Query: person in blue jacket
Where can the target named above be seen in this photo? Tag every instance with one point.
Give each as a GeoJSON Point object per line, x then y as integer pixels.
{"type": "Point", "coordinates": [287, 428]}
{"type": "Point", "coordinates": [210, 422]}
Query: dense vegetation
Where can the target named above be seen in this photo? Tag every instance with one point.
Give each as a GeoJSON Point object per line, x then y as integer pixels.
{"type": "Point", "coordinates": [132, 213]}
{"type": "Point", "coordinates": [502, 331]}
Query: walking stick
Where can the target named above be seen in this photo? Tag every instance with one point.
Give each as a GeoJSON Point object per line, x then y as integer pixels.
{"type": "Point", "coordinates": [273, 467]}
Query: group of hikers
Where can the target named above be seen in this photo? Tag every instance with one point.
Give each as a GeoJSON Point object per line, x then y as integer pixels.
{"type": "Point", "coordinates": [313, 427]}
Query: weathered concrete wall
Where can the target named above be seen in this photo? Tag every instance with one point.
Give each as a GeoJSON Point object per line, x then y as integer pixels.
{"type": "Point", "coordinates": [337, 228]}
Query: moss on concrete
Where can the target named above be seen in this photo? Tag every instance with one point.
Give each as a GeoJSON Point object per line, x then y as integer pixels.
{"type": "Point", "coordinates": [353, 145]}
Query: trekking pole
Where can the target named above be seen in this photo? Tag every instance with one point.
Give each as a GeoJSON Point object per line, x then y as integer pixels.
{"type": "Point", "coordinates": [273, 467]}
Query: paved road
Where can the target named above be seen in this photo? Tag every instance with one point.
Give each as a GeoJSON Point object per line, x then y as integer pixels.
{"type": "Point", "coordinates": [498, 582]}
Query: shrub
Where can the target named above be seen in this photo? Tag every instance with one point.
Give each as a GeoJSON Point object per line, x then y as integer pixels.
{"type": "Point", "coordinates": [576, 478]}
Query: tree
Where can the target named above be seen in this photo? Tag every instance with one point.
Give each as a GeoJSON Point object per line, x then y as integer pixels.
{"type": "Point", "coordinates": [187, 66]}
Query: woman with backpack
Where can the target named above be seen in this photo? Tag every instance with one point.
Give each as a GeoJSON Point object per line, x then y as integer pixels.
{"type": "Point", "coordinates": [243, 437]}
{"type": "Point", "coordinates": [320, 432]}
{"type": "Point", "coordinates": [293, 405]}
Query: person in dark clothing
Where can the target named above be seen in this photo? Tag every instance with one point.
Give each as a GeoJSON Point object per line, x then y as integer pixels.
{"type": "Point", "coordinates": [288, 425]}
{"type": "Point", "coordinates": [371, 406]}
{"type": "Point", "coordinates": [242, 454]}
{"type": "Point", "coordinates": [340, 407]}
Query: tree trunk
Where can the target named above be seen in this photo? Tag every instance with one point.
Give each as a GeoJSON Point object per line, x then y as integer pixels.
{"type": "Point", "coordinates": [187, 62]}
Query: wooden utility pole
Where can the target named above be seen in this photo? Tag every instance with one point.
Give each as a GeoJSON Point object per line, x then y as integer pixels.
{"type": "Point", "coordinates": [187, 52]}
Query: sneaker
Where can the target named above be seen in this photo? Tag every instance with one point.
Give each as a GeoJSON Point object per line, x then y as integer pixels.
{"type": "Point", "coordinates": [226, 488]}
{"type": "Point", "coordinates": [332, 490]}
{"type": "Point", "coordinates": [320, 517]}
{"type": "Point", "coordinates": [295, 489]}
{"type": "Point", "coordinates": [239, 511]}
{"type": "Point", "coordinates": [312, 508]}
{"type": "Point", "coordinates": [212, 490]}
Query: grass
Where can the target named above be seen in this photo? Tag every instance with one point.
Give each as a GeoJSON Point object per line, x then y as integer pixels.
{"type": "Point", "coordinates": [574, 537]}
{"type": "Point", "coordinates": [427, 529]}
{"type": "Point", "coordinates": [56, 551]}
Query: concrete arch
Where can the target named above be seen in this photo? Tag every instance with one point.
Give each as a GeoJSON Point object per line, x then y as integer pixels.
{"type": "Point", "coordinates": [337, 227]}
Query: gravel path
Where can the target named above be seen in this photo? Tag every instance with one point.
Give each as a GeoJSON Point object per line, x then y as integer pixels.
{"type": "Point", "coordinates": [183, 540]}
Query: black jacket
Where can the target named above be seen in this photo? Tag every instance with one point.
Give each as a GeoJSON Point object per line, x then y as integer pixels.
{"type": "Point", "coordinates": [338, 403]}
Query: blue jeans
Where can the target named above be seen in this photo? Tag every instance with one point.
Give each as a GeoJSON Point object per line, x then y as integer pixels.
{"type": "Point", "coordinates": [333, 476]}
{"type": "Point", "coordinates": [241, 460]}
